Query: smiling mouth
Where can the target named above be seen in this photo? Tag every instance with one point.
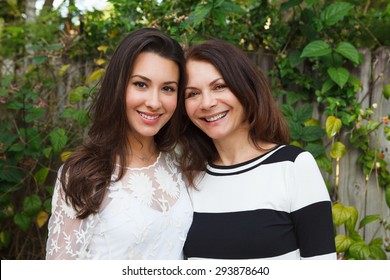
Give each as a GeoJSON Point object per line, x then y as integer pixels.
{"type": "Point", "coordinates": [216, 117]}
{"type": "Point", "coordinates": [149, 117]}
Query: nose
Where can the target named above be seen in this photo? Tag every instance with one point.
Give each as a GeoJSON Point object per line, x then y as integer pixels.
{"type": "Point", "coordinates": [208, 101]}
{"type": "Point", "coordinates": [153, 101]}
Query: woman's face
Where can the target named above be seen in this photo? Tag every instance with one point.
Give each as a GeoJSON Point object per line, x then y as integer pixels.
{"type": "Point", "coordinates": [211, 105]}
{"type": "Point", "coordinates": [151, 94]}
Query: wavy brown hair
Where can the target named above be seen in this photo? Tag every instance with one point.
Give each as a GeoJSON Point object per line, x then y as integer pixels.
{"type": "Point", "coordinates": [86, 174]}
{"type": "Point", "coordinates": [251, 88]}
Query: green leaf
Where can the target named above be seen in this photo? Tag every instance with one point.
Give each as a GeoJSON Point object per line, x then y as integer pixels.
{"type": "Point", "coordinates": [315, 149]}
{"type": "Point", "coordinates": [387, 196]}
{"type": "Point", "coordinates": [39, 59]}
{"type": "Point", "coordinates": [302, 113]}
{"type": "Point", "coordinates": [335, 12]}
{"type": "Point", "coordinates": [348, 51]}
{"type": "Point", "coordinates": [327, 86]}
{"type": "Point", "coordinates": [200, 13]}
{"type": "Point", "coordinates": [35, 114]}
{"type": "Point", "coordinates": [332, 126]}
{"type": "Point", "coordinates": [78, 94]}
{"type": "Point", "coordinates": [312, 133]}
{"type": "Point", "coordinates": [316, 49]}
{"type": "Point", "coordinates": [369, 219]}
{"type": "Point", "coordinates": [17, 147]}
{"type": "Point", "coordinates": [11, 174]}
{"type": "Point", "coordinates": [63, 69]}
{"type": "Point", "coordinates": [5, 239]}
{"type": "Point", "coordinates": [31, 204]}
{"type": "Point", "coordinates": [47, 205]}
{"type": "Point", "coordinates": [47, 151]}
{"type": "Point", "coordinates": [386, 91]}
{"type": "Point", "coordinates": [289, 4]}
{"type": "Point", "coordinates": [5, 82]}
{"type": "Point", "coordinates": [342, 214]}
{"type": "Point", "coordinates": [68, 113]}
{"type": "Point", "coordinates": [372, 125]}
{"type": "Point", "coordinates": [96, 75]}
{"type": "Point", "coordinates": [338, 150]}
{"type": "Point", "coordinates": [229, 7]}
{"type": "Point", "coordinates": [296, 131]}
{"type": "Point", "coordinates": [312, 122]}
{"type": "Point", "coordinates": [58, 139]}
{"type": "Point", "coordinates": [386, 131]}
{"type": "Point", "coordinates": [41, 175]}
{"type": "Point", "coordinates": [33, 138]}
{"type": "Point", "coordinates": [82, 118]}
{"type": "Point", "coordinates": [15, 105]}
{"type": "Point", "coordinates": [343, 243]}
{"type": "Point", "coordinates": [324, 163]}
{"type": "Point", "coordinates": [377, 253]}
{"type": "Point", "coordinates": [288, 110]}
{"type": "Point", "coordinates": [22, 221]}
{"type": "Point", "coordinates": [294, 58]}
{"type": "Point", "coordinates": [55, 47]}
{"type": "Point", "coordinates": [360, 250]}
{"type": "Point", "coordinates": [355, 236]}
{"type": "Point", "coordinates": [339, 75]}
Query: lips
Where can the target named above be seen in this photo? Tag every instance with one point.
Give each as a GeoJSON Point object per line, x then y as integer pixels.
{"type": "Point", "coordinates": [216, 117]}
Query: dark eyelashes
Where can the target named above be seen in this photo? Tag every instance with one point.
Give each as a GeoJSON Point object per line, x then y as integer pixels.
{"type": "Point", "coordinates": [139, 84]}
{"type": "Point", "coordinates": [144, 85]}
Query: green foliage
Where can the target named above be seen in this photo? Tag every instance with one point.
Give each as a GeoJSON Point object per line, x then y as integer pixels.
{"type": "Point", "coordinates": [34, 130]}
{"type": "Point", "coordinates": [352, 245]}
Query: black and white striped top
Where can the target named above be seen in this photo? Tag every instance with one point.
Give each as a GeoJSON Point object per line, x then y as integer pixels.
{"type": "Point", "coordinates": [275, 206]}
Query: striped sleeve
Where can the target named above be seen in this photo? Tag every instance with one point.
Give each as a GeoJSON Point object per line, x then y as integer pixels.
{"type": "Point", "coordinates": [311, 210]}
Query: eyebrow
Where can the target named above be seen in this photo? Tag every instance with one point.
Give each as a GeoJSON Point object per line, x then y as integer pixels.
{"type": "Point", "coordinates": [216, 80]}
{"type": "Point", "coordinates": [149, 80]}
{"type": "Point", "coordinates": [210, 84]}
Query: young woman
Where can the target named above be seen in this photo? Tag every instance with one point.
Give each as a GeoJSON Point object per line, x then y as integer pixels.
{"type": "Point", "coordinates": [121, 196]}
{"type": "Point", "coordinates": [255, 196]}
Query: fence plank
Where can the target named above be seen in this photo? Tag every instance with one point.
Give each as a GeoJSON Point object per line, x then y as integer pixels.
{"type": "Point", "coordinates": [375, 194]}
{"type": "Point", "coordinates": [354, 187]}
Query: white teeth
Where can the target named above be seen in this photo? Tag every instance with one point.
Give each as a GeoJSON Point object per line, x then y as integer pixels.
{"type": "Point", "coordinates": [216, 117]}
{"type": "Point", "coordinates": [148, 117]}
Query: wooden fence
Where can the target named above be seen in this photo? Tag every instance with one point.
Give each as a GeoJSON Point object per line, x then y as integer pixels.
{"type": "Point", "coordinates": [355, 188]}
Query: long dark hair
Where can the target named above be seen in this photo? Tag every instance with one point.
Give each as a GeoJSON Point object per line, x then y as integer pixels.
{"type": "Point", "coordinates": [86, 174]}
{"type": "Point", "coordinates": [251, 88]}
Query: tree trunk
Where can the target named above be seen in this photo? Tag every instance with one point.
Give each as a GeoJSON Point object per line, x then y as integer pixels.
{"type": "Point", "coordinates": [30, 18]}
{"type": "Point", "coordinates": [48, 5]}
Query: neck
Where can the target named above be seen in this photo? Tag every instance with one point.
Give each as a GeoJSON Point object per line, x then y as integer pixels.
{"type": "Point", "coordinates": [234, 152]}
{"type": "Point", "coordinates": [143, 151]}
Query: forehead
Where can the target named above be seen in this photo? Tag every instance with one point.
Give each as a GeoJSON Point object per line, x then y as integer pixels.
{"type": "Point", "coordinates": [201, 71]}
{"type": "Point", "coordinates": [152, 64]}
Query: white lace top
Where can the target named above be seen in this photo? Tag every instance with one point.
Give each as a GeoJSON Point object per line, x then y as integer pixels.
{"type": "Point", "coordinates": [146, 215]}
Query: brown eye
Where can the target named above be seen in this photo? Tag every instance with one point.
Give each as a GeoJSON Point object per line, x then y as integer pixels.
{"type": "Point", "coordinates": [192, 94]}
{"type": "Point", "coordinates": [140, 84]}
{"type": "Point", "coordinates": [220, 87]}
{"type": "Point", "coordinates": [170, 89]}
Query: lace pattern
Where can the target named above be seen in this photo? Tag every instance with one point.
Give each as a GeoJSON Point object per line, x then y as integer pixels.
{"type": "Point", "coordinates": [146, 215]}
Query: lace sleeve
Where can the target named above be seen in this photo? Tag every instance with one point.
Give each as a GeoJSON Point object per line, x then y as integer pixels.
{"type": "Point", "coordinates": [68, 236]}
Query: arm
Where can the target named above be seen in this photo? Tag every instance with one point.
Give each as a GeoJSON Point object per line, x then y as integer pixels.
{"type": "Point", "coordinates": [311, 210]}
{"type": "Point", "coordinates": [67, 234]}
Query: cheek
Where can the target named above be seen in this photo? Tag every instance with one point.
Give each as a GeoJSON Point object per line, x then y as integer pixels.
{"type": "Point", "coordinates": [170, 103]}
{"type": "Point", "coordinates": [130, 98]}
{"type": "Point", "coordinates": [190, 108]}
